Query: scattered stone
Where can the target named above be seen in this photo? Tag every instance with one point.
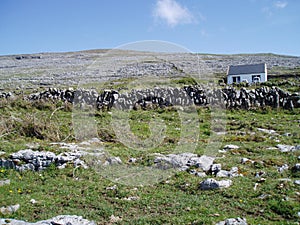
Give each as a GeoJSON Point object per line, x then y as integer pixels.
{"type": "Point", "coordinates": [246, 160]}
{"type": "Point", "coordinates": [271, 148]}
{"type": "Point", "coordinates": [282, 168]}
{"type": "Point", "coordinates": [39, 160]}
{"type": "Point", "coordinates": [183, 161]}
{"type": "Point", "coordinates": [261, 180]}
{"type": "Point", "coordinates": [210, 184]}
{"type": "Point", "coordinates": [33, 201]}
{"type": "Point", "coordinates": [297, 182]}
{"type": "Point", "coordinates": [112, 161]}
{"type": "Point", "coordinates": [288, 148]}
{"type": "Point", "coordinates": [8, 164]}
{"type": "Point", "coordinates": [114, 219]}
{"type": "Point", "coordinates": [230, 147]}
{"type": "Point", "coordinates": [112, 187]}
{"type": "Point", "coordinates": [255, 186]}
{"type": "Point", "coordinates": [260, 174]}
{"type": "Point", "coordinates": [215, 168]}
{"type": "Point", "coordinates": [267, 131]}
{"type": "Point", "coordinates": [58, 220]}
{"type": "Point", "coordinates": [200, 174]}
{"type": "Point", "coordinates": [233, 221]}
{"type": "Point", "coordinates": [296, 168]}
{"type": "Point", "coordinates": [4, 182]}
{"type": "Point", "coordinates": [132, 198]}
{"type": "Point", "coordinates": [204, 162]}
{"type": "Point", "coordinates": [264, 196]}
{"type": "Point", "coordinates": [223, 173]}
{"type": "Point", "coordinates": [132, 160]}
{"type": "Point", "coordinates": [2, 153]}
{"type": "Point", "coordinates": [9, 209]}
{"type": "Point", "coordinates": [197, 173]}
{"type": "Point", "coordinates": [285, 179]}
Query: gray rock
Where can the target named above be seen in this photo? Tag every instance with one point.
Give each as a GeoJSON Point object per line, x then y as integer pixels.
{"type": "Point", "coordinates": [286, 148]}
{"type": "Point", "coordinates": [210, 184]}
{"type": "Point", "coordinates": [4, 182]}
{"type": "Point", "coordinates": [132, 160]}
{"type": "Point", "coordinates": [200, 174]}
{"type": "Point", "coordinates": [112, 161]}
{"type": "Point", "coordinates": [9, 209]}
{"type": "Point", "coordinates": [285, 179]}
{"type": "Point", "coordinates": [36, 161]}
{"type": "Point", "coordinates": [215, 168]}
{"type": "Point", "coordinates": [183, 161]}
{"type": "Point", "coordinates": [204, 162]}
{"type": "Point", "coordinates": [2, 153]}
{"type": "Point", "coordinates": [233, 221]}
{"type": "Point", "coordinates": [244, 160]}
{"type": "Point", "coordinates": [297, 182]}
{"type": "Point", "coordinates": [28, 166]}
{"type": "Point", "coordinates": [230, 147]}
{"type": "Point", "coordinates": [282, 168]}
{"type": "Point", "coordinates": [8, 164]}
{"type": "Point", "coordinates": [234, 172]}
{"type": "Point", "coordinates": [267, 131]}
{"type": "Point", "coordinates": [296, 168]}
{"type": "Point", "coordinates": [61, 220]}
{"type": "Point", "coordinates": [223, 173]}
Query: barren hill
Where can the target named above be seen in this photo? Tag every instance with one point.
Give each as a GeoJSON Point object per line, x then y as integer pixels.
{"type": "Point", "coordinates": [68, 69]}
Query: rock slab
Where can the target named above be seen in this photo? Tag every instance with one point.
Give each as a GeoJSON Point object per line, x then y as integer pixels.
{"type": "Point", "coordinates": [61, 220]}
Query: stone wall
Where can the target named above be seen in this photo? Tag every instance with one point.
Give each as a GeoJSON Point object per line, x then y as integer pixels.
{"type": "Point", "coordinates": [228, 97]}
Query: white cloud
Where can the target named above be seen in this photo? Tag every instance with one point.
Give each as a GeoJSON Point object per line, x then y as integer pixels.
{"type": "Point", "coordinates": [280, 4]}
{"type": "Point", "coordinates": [172, 13]}
{"type": "Point", "coordinates": [269, 11]}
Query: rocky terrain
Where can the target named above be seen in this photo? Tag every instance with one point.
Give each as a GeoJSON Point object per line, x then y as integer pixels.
{"type": "Point", "coordinates": [70, 69]}
{"type": "Point", "coordinates": [45, 171]}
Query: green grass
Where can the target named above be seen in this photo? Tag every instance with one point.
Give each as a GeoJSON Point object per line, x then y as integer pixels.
{"type": "Point", "coordinates": [177, 200]}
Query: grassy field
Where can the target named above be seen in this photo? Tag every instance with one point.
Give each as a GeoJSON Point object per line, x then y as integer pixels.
{"type": "Point", "coordinates": [176, 200]}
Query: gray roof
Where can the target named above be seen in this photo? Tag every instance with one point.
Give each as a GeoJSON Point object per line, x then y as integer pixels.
{"type": "Point", "coordinates": [246, 69]}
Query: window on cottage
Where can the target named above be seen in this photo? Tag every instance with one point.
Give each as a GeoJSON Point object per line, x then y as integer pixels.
{"type": "Point", "coordinates": [236, 79]}
{"type": "Point", "coordinates": [255, 78]}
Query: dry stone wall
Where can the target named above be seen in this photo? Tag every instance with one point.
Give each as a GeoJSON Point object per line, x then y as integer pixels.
{"type": "Point", "coordinates": [228, 97]}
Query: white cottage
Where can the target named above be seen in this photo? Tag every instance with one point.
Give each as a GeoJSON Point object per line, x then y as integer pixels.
{"type": "Point", "coordinates": [253, 73]}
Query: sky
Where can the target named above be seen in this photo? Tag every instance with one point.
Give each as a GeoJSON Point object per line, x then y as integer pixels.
{"type": "Point", "coordinates": [202, 26]}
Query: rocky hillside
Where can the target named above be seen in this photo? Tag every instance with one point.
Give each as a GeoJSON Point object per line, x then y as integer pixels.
{"type": "Point", "coordinates": [68, 69]}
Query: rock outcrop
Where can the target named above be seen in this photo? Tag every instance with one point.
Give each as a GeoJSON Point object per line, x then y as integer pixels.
{"type": "Point", "coordinates": [61, 220]}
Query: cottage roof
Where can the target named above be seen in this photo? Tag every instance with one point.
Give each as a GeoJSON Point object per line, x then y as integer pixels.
{"type": "Point", "coordinates": [246, 69]}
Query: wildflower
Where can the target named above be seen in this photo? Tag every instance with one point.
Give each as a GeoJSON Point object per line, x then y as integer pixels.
{"type": "Point", "coordinates": [10, 191]}
{"type": "Point", "coordinates": [2, 170]}
{"type": "Point", "coordinates": [19, 190]}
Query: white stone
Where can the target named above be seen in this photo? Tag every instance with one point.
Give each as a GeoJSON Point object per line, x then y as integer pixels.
{"type": "Point", "coordinates": [285, 148]}
{"type": "Point", "coordinates": [210, 184]}
{"type": "Point", "coordinates": [4, 182]}
{"type": "Point", "coordinates": [9, 209]}
{"type": "Point", "coordinates": [230, 147]}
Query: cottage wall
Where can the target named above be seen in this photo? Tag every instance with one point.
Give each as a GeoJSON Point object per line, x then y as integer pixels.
{"type": "Point", "coordinates": [248, 77]}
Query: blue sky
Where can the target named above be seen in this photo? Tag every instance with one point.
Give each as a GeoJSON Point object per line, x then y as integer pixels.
{"type": "Point", "coordinates": [205, 26]}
